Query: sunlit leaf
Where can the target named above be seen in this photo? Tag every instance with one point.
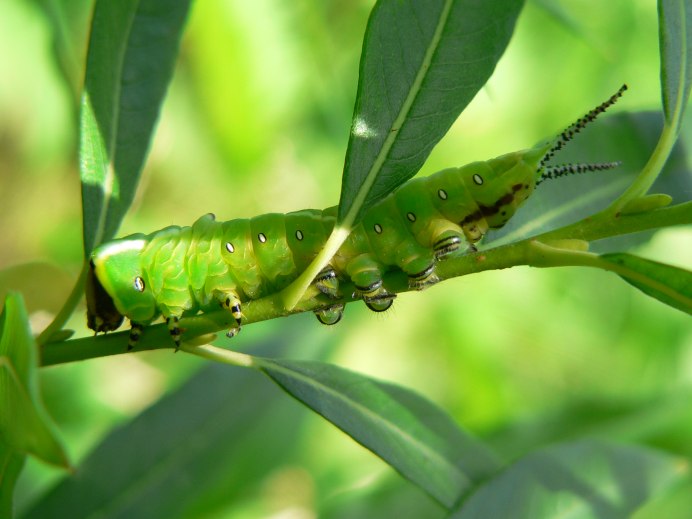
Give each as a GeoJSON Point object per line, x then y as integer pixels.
{"type": "Point", "coordinates": [132, 50]}
{"type": "Point", "coordinates": [421, 64]}
{"type": "Point", "coordinates": [411, 434]}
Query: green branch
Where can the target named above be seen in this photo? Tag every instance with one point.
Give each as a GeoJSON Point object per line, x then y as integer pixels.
{"type": "Point", "coordinates": [200, 329]}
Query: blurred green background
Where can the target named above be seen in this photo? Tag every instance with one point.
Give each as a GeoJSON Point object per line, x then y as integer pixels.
{"type": "Point", "coordinates": [256, 120]}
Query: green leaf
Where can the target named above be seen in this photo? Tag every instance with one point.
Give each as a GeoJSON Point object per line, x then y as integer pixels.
{"type": "Point", "coordinates": [205, 445]}
{"type": "Point", "coordinates": [24, 424]}
{"type": "Point", "coordinates": [675, 42]}
{"type": "Point", "coordinates": [69, 22]}
{"type": "Point", "coordinates": [584, 479]}
{"type": "Point", "coordinates": [132, 51]}
{"type": "Point", "coordinates": [670, 285]}
{"type": "Point", "coordinates": [408, 432]}
{"type": "Point", "coordinates": [11, 464]}
{"type": "Point", "coordinates": [421, 64]}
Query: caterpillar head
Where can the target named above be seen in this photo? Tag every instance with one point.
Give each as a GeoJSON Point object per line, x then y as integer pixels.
{"type": "Point", "coordinates": [116, 285]}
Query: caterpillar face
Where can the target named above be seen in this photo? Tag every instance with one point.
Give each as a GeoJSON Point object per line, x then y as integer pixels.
{"type": "Point", "coordinates": [116, 285]}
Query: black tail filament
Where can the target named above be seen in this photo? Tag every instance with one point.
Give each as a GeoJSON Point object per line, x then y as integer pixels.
{"type": "Point", "coordinates": [550, 172]}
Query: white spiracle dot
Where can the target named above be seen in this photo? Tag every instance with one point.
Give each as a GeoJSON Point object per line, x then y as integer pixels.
{"type": "Point", "coordinates": [139, 284]}
{"type": "Point", "coordinates": [229, 247]}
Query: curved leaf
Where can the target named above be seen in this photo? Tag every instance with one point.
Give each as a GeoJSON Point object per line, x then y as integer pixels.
{"type": "Point", "coordinates": [584, 479]}
{"type": "Point", "coordinates": [132, 50]}
{"type": "Point", "coordinates": [24, 423]}
{"type": "Point", "coordinates": [405, 430]}
{"type": "Point", "coordinates": [670, 285]}
{"type": "Point", "coordinates": [675, 43]}
{"type": "Point", "coordinates": [421, 64]}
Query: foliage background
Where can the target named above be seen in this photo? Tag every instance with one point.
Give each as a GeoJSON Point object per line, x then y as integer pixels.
{"type": "Point", "coordinates": [257, 120]}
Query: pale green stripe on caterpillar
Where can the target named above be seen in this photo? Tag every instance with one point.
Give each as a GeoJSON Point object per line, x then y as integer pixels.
{"type": "Point", "coordinates": [180, 271]}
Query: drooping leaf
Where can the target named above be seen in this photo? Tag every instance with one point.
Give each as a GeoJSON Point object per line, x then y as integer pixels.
{"type": "Point", "coordinates": [675, 45]}
{"type": "Point", "coordinates": [11, 464]}
{"type": "Point", "coordinates": [408, 432]}
{"type": "Point", "coordinates": [24, 424]}
{"type": "Point", "coordinates": [132, 50]}
{"type": "Point", "coordinates": [421, 64]}
{"type": "Point", "coordinates": [670, 285]}
{"type": "Point", "coordinates": [583, 479]}
{"type": "Point", "coordinates": [195, 450]}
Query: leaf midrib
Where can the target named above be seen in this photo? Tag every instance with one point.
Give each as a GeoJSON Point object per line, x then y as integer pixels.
{"type": "Point", "coordinates": [375, 418]}
{"type": "Point", "coordinates": [111, 146]}
{"type": "Point", "coordinates": [400, 119]}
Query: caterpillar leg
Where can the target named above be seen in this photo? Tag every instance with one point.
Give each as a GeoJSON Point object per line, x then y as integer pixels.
{"type": "Point", "coordinates": [419, 263]}
{"type": "Point", "coordinates": [327, 282]}
{"type": "Point", "coordinates": [135, 332]}
{"type": "Point", "coordinates": [380, 300]}
{"type": "Point", "coordinates": [231, 303]}
{"type": "Point", "coordinates": [331, 314]}
{"type": "Point", "coordinates": [174, 330]}
{"type": "Point", "coordinates": [447, 243]}
{"type": "Point", "coordinates": [375, 296]}
{"type": "Point", "coordinates": [424, 278]}
{"type": "Point", "coordinates": [365, 273]}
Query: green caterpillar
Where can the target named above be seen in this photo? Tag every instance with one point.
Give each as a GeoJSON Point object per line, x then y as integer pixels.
{"type": "Point", "coordinates": [180, 271]}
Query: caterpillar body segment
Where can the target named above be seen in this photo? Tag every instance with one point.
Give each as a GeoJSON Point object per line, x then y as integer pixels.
{"type": "Point", "coordinates": [180, 271]}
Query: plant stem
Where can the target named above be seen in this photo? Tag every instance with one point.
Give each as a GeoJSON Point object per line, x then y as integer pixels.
{"type": "Point", "coordinates": [650, 172]}
{"type": "Point", "coordinates": [67, 309]}
{"type": "Point", "coordinates": [209, 352]}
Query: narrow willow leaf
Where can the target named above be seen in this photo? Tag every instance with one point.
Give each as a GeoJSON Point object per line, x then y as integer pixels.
{"type": "Point", "coordinates": [205, 445]}
{"type": "Point", "coordinates": [132, 50]}
{"type": "Point", "coordinates": [670, 285]}
{"type": "Point", "coordinates": [421, 64]}
{"type": "Point", "coordinates": [675, 42]}
{"type": "Point", "coordinates": [24, 424]}
{"type": "Point", "coordinates": [408, 432]}
{"type": "Point", "coordinates": [584, 479]}
{"type": "Point", "coordinates": [11, 464]}
{"type": "Point", "coordinates": [68, 22]}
